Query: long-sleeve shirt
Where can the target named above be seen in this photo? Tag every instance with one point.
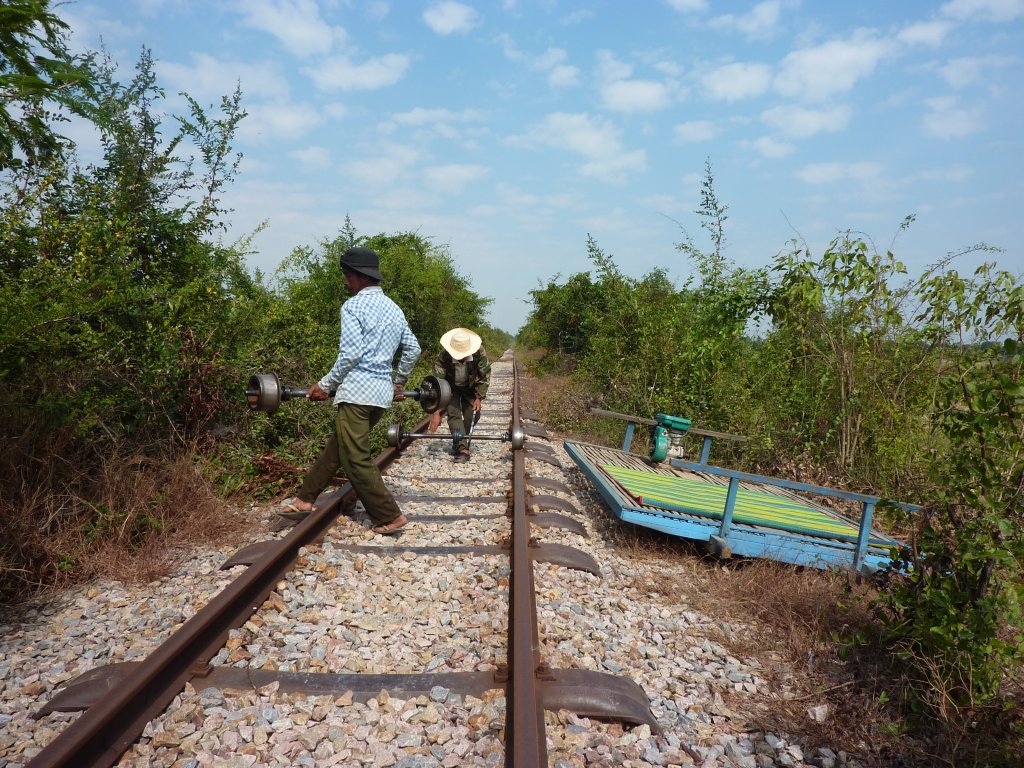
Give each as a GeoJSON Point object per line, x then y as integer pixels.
{"type": "Point", "coordinates": [373, 329]}
{"type": "Point", "coordinates": [476, 369]}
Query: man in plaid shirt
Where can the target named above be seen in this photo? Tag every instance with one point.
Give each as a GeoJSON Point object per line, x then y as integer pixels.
{"type": "Point", "coordinates": [373, 329]}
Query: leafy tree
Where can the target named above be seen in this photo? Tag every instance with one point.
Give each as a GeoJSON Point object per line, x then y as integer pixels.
{"type": "Point", "coordinates": [644, 346]}
{"type": "Point", "coordinates": [420, 277]}
{"type": "Point", "coordinates": [956, 620]}
{"type": "Point", "coordinates": [108, 274]}
{"type": "Point", "coordinates": [841, 314]}
{"type": "Point", "coordinates": [36, 71]}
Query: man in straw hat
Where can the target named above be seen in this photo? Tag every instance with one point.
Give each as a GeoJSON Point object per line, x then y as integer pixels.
{"type": "Point", "coordinates": [463, 362]}
{"type": "Point", "coordinates": [373, 329]}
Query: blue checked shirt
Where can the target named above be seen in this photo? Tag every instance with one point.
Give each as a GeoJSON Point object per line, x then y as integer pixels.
{"type": "Point", "coordinates": [373, 328]}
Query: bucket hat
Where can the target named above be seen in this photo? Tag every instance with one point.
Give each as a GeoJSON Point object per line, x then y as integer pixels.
{"type": "Point", "coordinates": [460, 342]}
{"type": "Point", "coordinates": [365, 261]}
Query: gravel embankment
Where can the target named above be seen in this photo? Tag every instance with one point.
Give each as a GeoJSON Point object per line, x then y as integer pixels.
{"type": "Point", "coordinates": [345, 612]}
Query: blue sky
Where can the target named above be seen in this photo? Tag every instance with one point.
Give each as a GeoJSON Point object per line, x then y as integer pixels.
{"type": "Point", "coordinates": [510, 131]}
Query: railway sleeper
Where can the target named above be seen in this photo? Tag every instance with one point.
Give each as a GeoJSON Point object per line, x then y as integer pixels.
{"type": "Point", "coordinates": [556, 554]}
{"type": "Point", "coordinates": [587, 693]}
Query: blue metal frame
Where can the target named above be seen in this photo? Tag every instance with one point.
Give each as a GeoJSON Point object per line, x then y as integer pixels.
{"type": "Point", "coordinates": [628, 441]}
{"type": "Point", "coordinates": [705, 449]}
{"type": "Point", "coordinates": [749, 540]}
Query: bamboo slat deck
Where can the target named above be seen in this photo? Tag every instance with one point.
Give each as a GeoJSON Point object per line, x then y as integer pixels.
{"type": "Point", "coordinates": [767, 521]}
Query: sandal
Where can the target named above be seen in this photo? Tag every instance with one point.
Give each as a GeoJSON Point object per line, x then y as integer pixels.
{"type": "Point", "coordinates": [289, 511]}
{"type": "Point", "coordinates": [462, 456]}
{"type": "Point", "coordinates": [391, 528]}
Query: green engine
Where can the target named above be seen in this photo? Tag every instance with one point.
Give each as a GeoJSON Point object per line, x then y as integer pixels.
{"type": "Point", "coordinates": [667, 437]}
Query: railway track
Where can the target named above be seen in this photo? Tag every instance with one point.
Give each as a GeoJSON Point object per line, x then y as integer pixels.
{"type": "Point", "coordinates": [334, 646]}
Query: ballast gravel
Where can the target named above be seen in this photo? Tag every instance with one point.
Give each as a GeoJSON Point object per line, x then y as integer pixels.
{"type": "Point", "coordinates": [348, 612]}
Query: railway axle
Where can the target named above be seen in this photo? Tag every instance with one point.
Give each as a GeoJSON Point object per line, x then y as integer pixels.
{"type": "Point", "coordinates": [266, 393]}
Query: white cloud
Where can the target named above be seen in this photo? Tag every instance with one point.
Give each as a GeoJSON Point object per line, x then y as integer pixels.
{"type": "Point", "coordinates": [830, 173]}
{"type": "Point", "coordinates": [312, 158]}
{"type": "Point", "coordinates": [621, 93]}
{"type": "Point", "coordinates": [442, 122]}
{"type": "Point", "coordinates": [696, 130]}
{"type": "Point", "coordinates": [954, 173]}
{"type": "Point", "coordinates": [635, 96]}
{"type": "Point", "coordinates": [946, 120]}
{"type": "Point", "coordinates": [668, 68]}
{"type": "Point", "coordinates": [378, 10]}
{"type": "Point", "coordinates": [770, 147]}
{"type": "Point", "coordinates": [576, 17]}
{"type": "Point", "coordinates": [563, 76]}
{"type": "Point", "coordinates": [801, 123]}
{"type": "Point", "coordinates": [208, 78]}
{"type": "Point", "coordinates": [609, 68]}
{"type": "Point", "coordinates": [692, 181]}
{"type": "Point", "coordinates": [94, 22]}
{"type": "Point", "coordinates": [550, 58]}
{"type": "Point", "coordinates": [962, 72]}
{"type": "Point", "coordinates": [930, 33]}
{"type": "Point", "coordinates": [560, 74]}
{"type": "Point", "coordinates": [762, 23]}
{"type": "Point", "coordinates": [688, 6]}
{"type": "Point", "coordinates": [384, 170]}
{"type": "Point", "coordinates": [984, 10]}
{"type": "Point", "coordinates": [596, 140]}
{"type": "Point", "coordinates": [450, 17]}
{"type": "Point", "coordinates": [420, 116]}
{"type": "Point", "coordinates": [336, 109]}
{"type": "Point", "coordinates": [552, 61]}
{"type": "Point", "coordinates": [296, 23]}
{"type": "Point", "coordinates": [509, 47]}
{"type": "Point", "coordinates": [278, 120]}
{"type": "Point", "coordinates": [835, 67]}
{"type": "Point", "coordinates": [453, 176]}
{"type": "Point", "coordinates": [590, 137]}
{"type": "Point", "coordinates": [736, 81]}
{"type": "Point", "coordinates": [615, 168]}
{"type": "Point", "coordinates": [340, 74]}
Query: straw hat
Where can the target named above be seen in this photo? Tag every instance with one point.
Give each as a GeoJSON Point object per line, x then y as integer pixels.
{"type": "Point", "coordinates": [460, 342]}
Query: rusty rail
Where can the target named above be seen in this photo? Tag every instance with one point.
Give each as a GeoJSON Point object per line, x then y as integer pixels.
{"type": "Point", "coordinates": [525, 739]}
{"type": "Point", "coordinates": [122, 698]}
{"type": "Point", "coordinates": [107, 728]}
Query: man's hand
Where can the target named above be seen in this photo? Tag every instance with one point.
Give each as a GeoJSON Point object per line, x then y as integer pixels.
{"type": "Point", "coordinates": [315, 393]}
{"type": "Point", "coordinates": [476, 405]}
{"type": "Point", "coordinates": [399, 393]}
{"type": "Point", "coordinates": [435, 421]}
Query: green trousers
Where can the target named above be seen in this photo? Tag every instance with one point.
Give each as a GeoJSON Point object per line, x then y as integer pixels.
{"type": "Point", "coordinates": [349, 448]}
{"type": "Point", "coordinates": [460, 414]}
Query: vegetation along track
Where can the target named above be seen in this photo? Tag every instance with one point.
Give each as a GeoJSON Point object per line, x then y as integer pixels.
{"type": "Point", "coordinates": [349, 648]}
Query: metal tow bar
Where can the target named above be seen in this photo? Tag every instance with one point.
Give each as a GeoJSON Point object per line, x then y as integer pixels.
{"type": "Point", "coordinates": [397, 435]}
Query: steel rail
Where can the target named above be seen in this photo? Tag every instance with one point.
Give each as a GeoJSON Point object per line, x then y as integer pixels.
{"type": "Point", "coordinates": [525, 737]}
{"type": "Point", "coordinates": [135, 693]}
{"type": "Point", "coordinates": [105, 730]}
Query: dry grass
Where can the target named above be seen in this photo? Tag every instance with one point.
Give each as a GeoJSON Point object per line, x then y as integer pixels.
{"type": "Point", "coordinates": [72, 515]}
{"type": "Point", "coordinates": [794, 621]}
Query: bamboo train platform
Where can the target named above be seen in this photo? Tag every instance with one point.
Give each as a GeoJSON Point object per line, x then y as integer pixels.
{"type": "Point", "coordinates": [736, 513]}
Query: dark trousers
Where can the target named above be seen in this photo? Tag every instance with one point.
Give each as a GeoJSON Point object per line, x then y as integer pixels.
{"type": "Point", "coordinates": [460, 414]}
{"type": "Point", "coordinates": [349, 448]}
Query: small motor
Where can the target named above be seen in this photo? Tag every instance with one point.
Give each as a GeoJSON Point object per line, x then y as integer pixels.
{"type": "Point", "coordinates": [667, 437]}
